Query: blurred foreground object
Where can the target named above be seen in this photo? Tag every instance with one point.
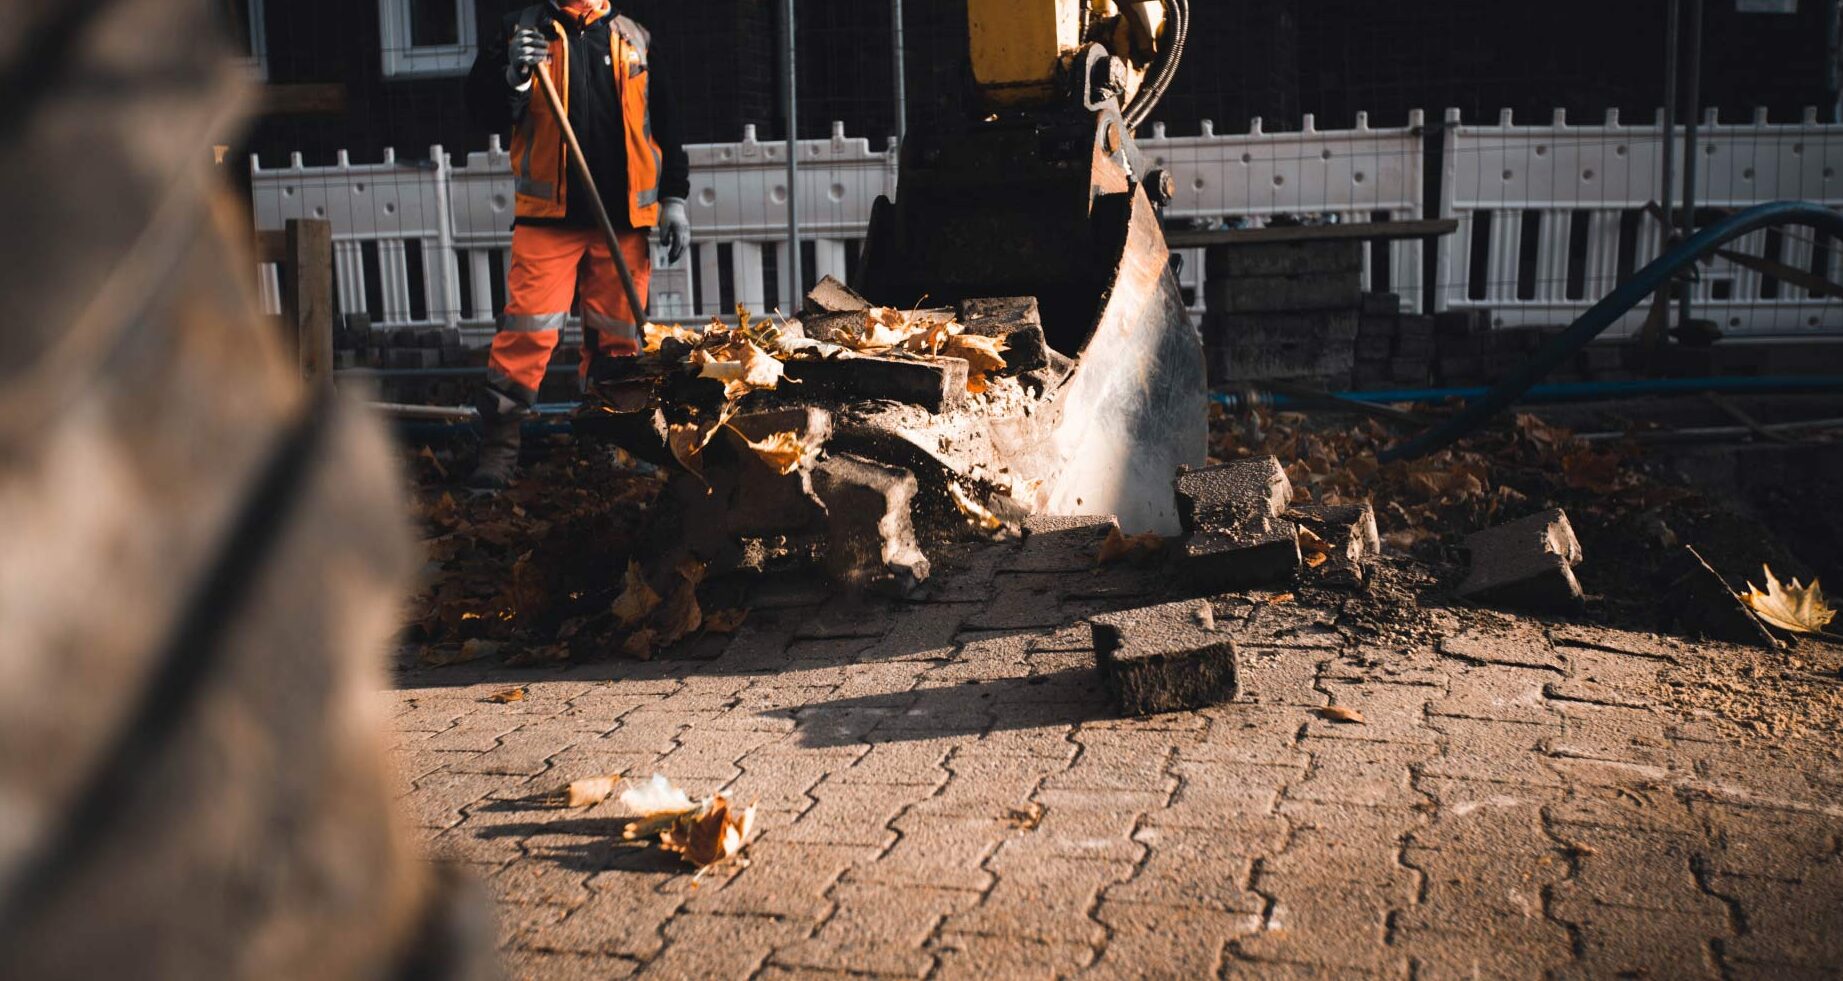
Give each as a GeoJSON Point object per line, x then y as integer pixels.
{"type": "Point", "coordinates": [202, 562]}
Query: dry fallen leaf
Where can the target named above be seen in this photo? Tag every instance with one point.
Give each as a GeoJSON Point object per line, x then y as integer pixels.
{"type": "Point", "coordinates": [1119, 547]}
{"type": "Point", "coordinates": [656, 334]}
{"type": "Point", "coordinates": [639, 645]}
{"type": "Point", "coordinates": [1025, 818]}
{"type": "Point", "coordinates": [1338, 713]}
{"type": "Point", "coordinates": [711, 834]}
{"type": "Point", "coordinates": [680, 616]}
{"type": "Point", "coordinates": [592, 790]}
{"type": "Point", "coordinates": [1280, 599]}
{"type": "Point", "coordinates": [637, 600]}
{"type": "Point", "coordinates": [1314, 549]}
{"type": "Point", "coordinates": [1794, 607]}
{"type": "Point", "coordinates": [782, 451]}
{"type": "Point", "coordinates": [983, 356]}
{"type": "Point", "coordinates": [507, 696]}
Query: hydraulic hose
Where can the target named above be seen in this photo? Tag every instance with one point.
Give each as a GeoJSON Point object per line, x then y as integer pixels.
{"type": "Point", "coordinates": [1164, 69]}
{"type": "Point", "coordinates": [1608, 311]}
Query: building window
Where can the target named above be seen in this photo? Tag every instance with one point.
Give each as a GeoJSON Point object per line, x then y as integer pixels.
{"type": "Point", "coordinates": [241, 21]}
{"type": "Point", "coordinates": [426, 37]}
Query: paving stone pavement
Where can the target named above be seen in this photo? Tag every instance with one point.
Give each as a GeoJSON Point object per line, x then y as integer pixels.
{"type": "Point", "coordinates": [945, 793]}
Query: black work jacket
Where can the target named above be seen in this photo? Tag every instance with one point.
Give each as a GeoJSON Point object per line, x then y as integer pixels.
{"type": "Point", "coordinates": [595, 114]}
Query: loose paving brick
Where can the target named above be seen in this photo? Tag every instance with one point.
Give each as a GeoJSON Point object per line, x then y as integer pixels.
{"type": "Point", "coordinates": [1165, 658]}
{"type": "Point", "coordinates": [939, 801]}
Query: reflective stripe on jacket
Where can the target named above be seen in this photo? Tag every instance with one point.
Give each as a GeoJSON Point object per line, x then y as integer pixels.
{"type": "Point", "coordinates": [540, 159]}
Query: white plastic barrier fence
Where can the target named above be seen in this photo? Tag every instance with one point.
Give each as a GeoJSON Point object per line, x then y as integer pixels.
{"type": "Point", "coordinates": [1355, 175]}
{"type": "Point", "coordinates": [1550, 216]}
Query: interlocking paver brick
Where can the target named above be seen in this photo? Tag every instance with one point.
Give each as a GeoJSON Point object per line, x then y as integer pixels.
{"type": "Point", "coordinates": [878, 929]}
{"type": "Point", "coordinates": [939, 801]}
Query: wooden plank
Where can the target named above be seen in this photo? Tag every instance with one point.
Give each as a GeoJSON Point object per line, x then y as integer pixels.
{"type": "Point", "coordinates": [307, 296]}
{"type": "Point", "coordinates": [271, 246]}
{"type": "Point", "coordinates": [1361, 231]}
{"type": "Point", "coordinates": [316, 99]}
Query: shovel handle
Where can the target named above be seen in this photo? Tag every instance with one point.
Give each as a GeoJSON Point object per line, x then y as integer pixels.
{"type": "Point", "coordinates": [581, 164]}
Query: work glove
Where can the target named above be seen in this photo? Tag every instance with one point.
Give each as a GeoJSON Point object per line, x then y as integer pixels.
{"type": "Point", "coordinates": [527, 50]}
{"type": "Point", "coordinates": [674, 229]}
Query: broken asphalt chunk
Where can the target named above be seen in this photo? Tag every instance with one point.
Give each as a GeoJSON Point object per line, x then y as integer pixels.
{"type": "Point", "coordinates": [1241, 493]}
{"type": "Point", "coordinates": [1219, 560]}
{"type": "Point", "coordinates": [1349, 530]}
{"type": "Point", "coordinates": [1165, 658]}
{"type": "Point", "coordinates": [1527, 563]}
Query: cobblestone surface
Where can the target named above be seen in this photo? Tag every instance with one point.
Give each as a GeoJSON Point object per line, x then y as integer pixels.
{"type": "Point", "coordinates": [945, 793]}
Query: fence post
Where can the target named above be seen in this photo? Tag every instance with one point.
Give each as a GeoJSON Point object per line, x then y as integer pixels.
{"type": "Point", "coordinates": [307, 296]}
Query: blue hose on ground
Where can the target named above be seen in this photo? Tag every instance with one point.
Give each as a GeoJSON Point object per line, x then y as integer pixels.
{"type": "Point", "coordinates": [1574, 391]}
{"type": "Point", "coordinates": [1604, 314]}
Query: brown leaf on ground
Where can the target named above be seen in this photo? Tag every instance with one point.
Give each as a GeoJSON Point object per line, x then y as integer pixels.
{"type": "Point", "coordinates": [1121, 548]}
{"type": "Point", "coordinates": [725, 621]}
{"type": "Point", "coordinates": [983, 356]}
{"type": "Point", "coordinates": [1315, 550]}
{"type": "Point", "coordinates": [589, 791]}
{"type": "Point", "coordinates": [507, 697]}
{"type": "Point", "coordinates": [1795, 607]}
{"type": "Point", "coordinates": [680, 616]}
{"type": "Point", "coordinates": [1339, 713]}
{"type": "Point", "coordinates": [690, 570]}
{"type": "Point", "coordinates": [1025, 818]}
{"type": "Point", "coordinates": [711, 834]}
{"type": "Point", "coordinates": [637, 600]}
{"type": "Point", "coordinates": [639, 645]}
{"type": "Point", "coordinates": [1280, 599]}
{"type": "Point", "coordinates": [784, 452]}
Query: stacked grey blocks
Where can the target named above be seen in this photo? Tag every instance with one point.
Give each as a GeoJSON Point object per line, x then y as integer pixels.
{"type": "Point", "coordinates": [1282, 311]}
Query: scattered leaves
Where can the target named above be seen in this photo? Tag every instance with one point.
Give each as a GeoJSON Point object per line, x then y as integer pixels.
{"type": "Point", "coordinates": [1342, 714]}
{"type": "Point", "coordinates": [1795, 607]}
{"type": "Point", "coordinates": [703, 833]}
{"type": "Point", "coordinates": [637, 600]}
{"type": "Point", "coordinates": [1120, 547]}
{"type": "Point", "coordinates": [507, 697]}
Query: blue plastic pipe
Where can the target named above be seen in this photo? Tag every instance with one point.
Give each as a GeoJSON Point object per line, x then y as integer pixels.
{"type": "Point", "coordinates": [1581, 391]}
{"type": "Point", "coordinates": [1517, 385]}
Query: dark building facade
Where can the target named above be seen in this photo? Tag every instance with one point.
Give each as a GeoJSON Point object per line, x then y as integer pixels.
{"type": "Point", "coordinates": [1273, 59]}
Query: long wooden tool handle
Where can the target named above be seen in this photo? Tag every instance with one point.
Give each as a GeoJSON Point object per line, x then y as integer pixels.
{"type": "Point", "coordinates": [581, 164]}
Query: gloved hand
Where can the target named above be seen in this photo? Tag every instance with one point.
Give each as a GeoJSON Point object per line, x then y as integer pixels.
{"type": "Point", "coordinates": [674, 229]}
{"type": "Point", "coordinates": [527, 50]}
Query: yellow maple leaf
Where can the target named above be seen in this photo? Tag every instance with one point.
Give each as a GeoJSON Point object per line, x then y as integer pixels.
{"type": "Point", "coordinates": [1794, 607]}
{"type": "Point", "coordinates": [782, 451]}
{"type": "Point", "coordinates": [983, 356]}
{"type": "Point", "coordinates": [655, 336]}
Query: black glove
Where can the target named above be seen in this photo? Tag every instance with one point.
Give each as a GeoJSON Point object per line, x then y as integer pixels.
{"type": "Point", "coordinates": [527, 50]}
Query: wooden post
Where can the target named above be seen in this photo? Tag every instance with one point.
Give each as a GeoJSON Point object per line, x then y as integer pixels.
{"type": "Point", "coordinates": [307, 296]}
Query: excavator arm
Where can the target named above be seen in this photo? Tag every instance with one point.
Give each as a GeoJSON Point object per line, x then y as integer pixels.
{"type": "Point", "coordinates": [1041, 192]}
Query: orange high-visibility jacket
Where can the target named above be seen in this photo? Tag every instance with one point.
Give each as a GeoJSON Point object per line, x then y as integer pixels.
{"type": "Point", "coordinates": [540, 160]}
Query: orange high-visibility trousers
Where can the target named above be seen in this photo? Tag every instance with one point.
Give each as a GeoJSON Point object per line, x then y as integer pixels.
{"type": "Point", "coordinates": [552, 268]}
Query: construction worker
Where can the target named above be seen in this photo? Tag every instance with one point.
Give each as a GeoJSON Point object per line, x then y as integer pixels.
{"type": "Point", "coordinates": [603, 64]}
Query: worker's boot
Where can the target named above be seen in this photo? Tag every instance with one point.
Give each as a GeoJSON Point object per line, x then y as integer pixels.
{"type": "Point", "coordinates": [501, 421]}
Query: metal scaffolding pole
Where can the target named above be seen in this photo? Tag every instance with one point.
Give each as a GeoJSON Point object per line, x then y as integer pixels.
{"type": "Point", "coordinates": [790, 105]}
{"type": "Point", "coordinates": [1673, 42]}
{"type": "Point", "coordinates": [1692, 118]}
{"type": "Point", "coordinates": [898, 61]}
